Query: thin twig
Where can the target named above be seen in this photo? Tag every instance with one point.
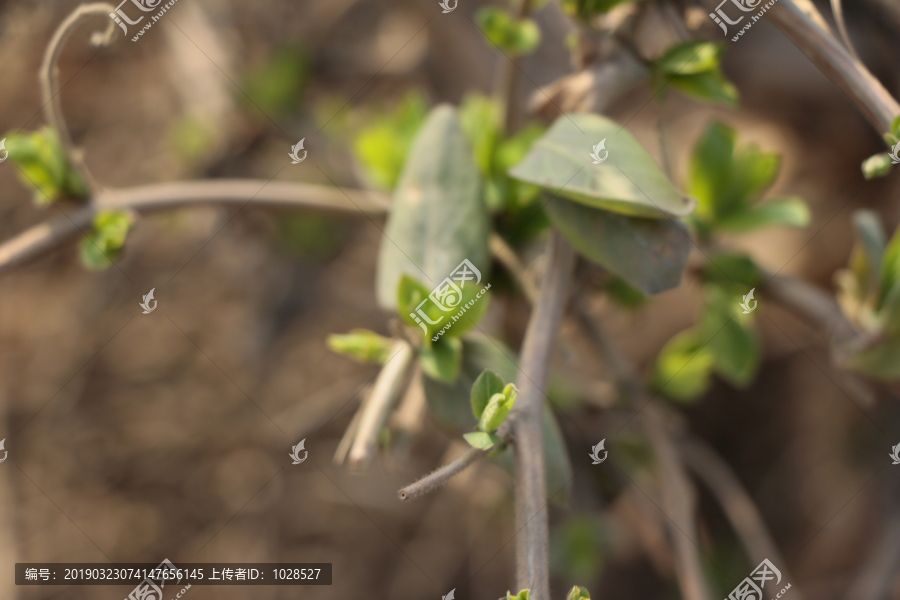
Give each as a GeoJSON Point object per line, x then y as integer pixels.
{"type": "Point", "coordinates": [679, 499]}
{"type": "Point", "coordinates": [742, 513]}
{"type": "Point", "coordinates": [48, 76]}
{"type": "Point", "coordinates": [430, 483]}
{"type": "Point", "coordinates": [505, 255]}
{"type": "Point", "coordinates": [532, 567]}
{"type": "Point", "coordinates": [838, 10]}
{"type": "Point", "coordinates": [378, 405]}
{"type": "Point", "coordinates": [848, 74]}
{"type": "Point", "coordinates": [42, 238]}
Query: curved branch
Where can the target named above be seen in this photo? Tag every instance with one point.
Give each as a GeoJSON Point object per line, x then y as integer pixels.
{"type": "Point", "coordinates": [878, 106]}
{"type": "Point", "coordinates": [432, 482]}
{"type": "Point", "coordinates": [50, 234]}
{"type": "Point", "coordinates": [48, 75]}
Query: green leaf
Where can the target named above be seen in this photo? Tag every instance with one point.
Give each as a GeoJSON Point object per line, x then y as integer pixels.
{"type": "Point", "coordinates": [514, 37]}
{"type": "Point", "coordinates": [578, 593]}
{"type": "Point", "coordinates": [877, 165]}
{"type": "Point", "coordinates": [731, 269]}
{"type": "Point", "coordinates": [586, 9]}
{"type": "Point", "coordinates": [890, 267]}
{"type": "Point", "coordinates": [361, 345]}
{"type": "Point", "coordinates": [683, 367]}
{"type": "Point", "coordinates": [481, 440]}
{"type": "Point", "coordinates": [522, 595]}
{"type": "Point", "coordinates": [650, 254]}
{"type": "Point", "coordinates": [624, 294]}
{"type": "Point", "coordinates": [710, 86]}
{"type": "Point", "coordinates": [578, 548]}
{"type": "Point", "coordinates": [383, 146]}
{"type": "Point", "coordinates": [731, 338]}
{"type": "Point", "coordinates": [790, 212]}
{"type": "Point", "coordinates": [726, 180]}
{"type": "Point", "coordinates": [487, 384]}
{"type": "Point", "coordinates": [690, 58]}
{"type": "Point", "coordinates": [44, 166]}
{"type": "Point", "coordinates": [442, 359]}
{"type": "Point", "coordinates": [872, 243]}
{"type": "Point", "coordinates": [629, 182]}
{"type": "Point", "coordinates": [498, 408]}
{"type": "Point", "coordinates": [438, 217]}
{"type": "Point", "coordinates": [480, 119]}
{"type": "Point", "coordinates": [104, 244]}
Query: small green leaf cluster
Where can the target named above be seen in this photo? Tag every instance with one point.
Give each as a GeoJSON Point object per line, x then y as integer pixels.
{"type": "Point", "coordinates": [361, 345]}
{"type": "Point", "coordinates": [724, 342]}
{"type": "Point", "coordinates": [869, 294]}
{"type": "Point", "coordinates": [514, 37]}
{"type": "Point", "coordinates": [382, 147]}
{"type": "Point", "coordinates": [578, 593]}
{"type": "Point", "coordinates": [104, 243]}
{"type": "Point", "coordinates": [45, 166]}
{"type": "Point", "coordinates": [491, 399]}
{"type": "Point", "coordinates": [879, 165]}
{"type": "Point", "coordinates": [694, 68]}
{"type": "Point", "coordinates": [728, 182]}
{"type": "Point", "coordinates": [522, 595]}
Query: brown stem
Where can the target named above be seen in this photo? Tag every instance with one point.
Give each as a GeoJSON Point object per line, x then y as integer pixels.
{"type": "Point", "coordinates": [532, 568]}
{"type": "Point", "coordinates": [430, 483]}
{"type": "Point", "coordinates": [849, 75]}
{"type": "Point", "coordinates": [42, 238]}
{"type": "Point", "coordinates": [48, 75]}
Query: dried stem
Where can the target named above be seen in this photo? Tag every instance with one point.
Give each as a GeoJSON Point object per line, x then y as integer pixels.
{"type": "Point", "coordinates": [505, 255]}
{"type": "Point", "coordinates": [378, 405]}
{"type": "Point", "coordinates": [531, 495]}
{"type": "Point", "coordinates": [48, 75]}
{"type": "Point", "coordinates": [838, 10]}
{"type": "Point", "coordinates": [48, 235]}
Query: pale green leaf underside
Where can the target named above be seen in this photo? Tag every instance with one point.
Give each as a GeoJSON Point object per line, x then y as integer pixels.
{"type": "Point", "coordinates": [627, 182]}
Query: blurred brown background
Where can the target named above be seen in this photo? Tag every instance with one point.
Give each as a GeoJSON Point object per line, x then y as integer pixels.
{"type": "Point", "coordinates": [140, 437]}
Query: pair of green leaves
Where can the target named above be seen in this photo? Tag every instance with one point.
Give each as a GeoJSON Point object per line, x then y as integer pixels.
{"type": "Point", "coordinates": [879, 165]}
{"type": "Point", "coordinates": [694, 68]}
{"type": "Point", "coordinates": [619, 212]}
{"type": "Point", "coordinates": [729, 181]}
{"type": "Point", "coordinates": [870, 295]}
{"type": "Point", "coordinates": [361, 345]}
{"type": "Point", "coordinates": [513, 36]}
{"type": "Point", "coordinates": [492, 400]}
{"type": "Point", "coordinates": [104, 243]}
{"type": "Point", "coordinates": [724, 342]}
{"type": "Point", "coordinates": [45, 166]}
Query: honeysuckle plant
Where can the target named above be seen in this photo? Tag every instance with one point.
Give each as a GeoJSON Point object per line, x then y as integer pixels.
{"type": "Point", "coordinates": [491, 402]}
{"type": "Point", "coordinates": [879, 165]}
